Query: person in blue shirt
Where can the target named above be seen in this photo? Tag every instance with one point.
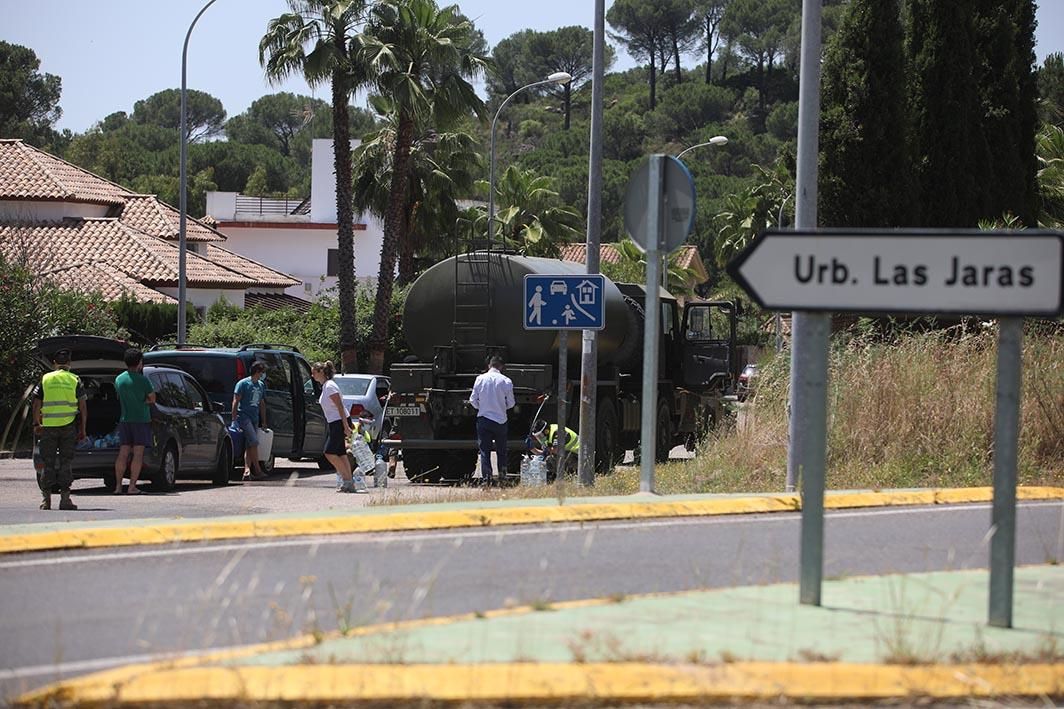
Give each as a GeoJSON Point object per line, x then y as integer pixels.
{"type": "Point", "coordinates": [249, 413]}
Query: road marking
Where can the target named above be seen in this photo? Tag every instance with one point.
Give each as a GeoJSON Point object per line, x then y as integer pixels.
{"type": "Point", "coordinates": [446, 535]}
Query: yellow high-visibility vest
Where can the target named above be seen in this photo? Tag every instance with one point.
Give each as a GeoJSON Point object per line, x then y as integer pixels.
{"type": "Point", "coordinates": [572, 440]}
{"type": "Point", "coordinates": [60, 403]}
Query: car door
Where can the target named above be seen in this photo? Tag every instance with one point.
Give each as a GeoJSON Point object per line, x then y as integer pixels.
{"type": "Point", "coordinates": [206, 426]}
{"type": "Point", "coordinates": [280, 401]}
{"type": "Point", "coordinates": [314, 428]}
{"type": "Point", "coordinates": [705, 345]}
{"type": "Point", "coordinates": [170, 404]}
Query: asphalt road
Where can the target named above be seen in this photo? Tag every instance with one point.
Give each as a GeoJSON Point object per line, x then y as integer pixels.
{"type": "Point", "coordinates": [72, 612]}
{"type": "Point", "coordinates": [293, 488]}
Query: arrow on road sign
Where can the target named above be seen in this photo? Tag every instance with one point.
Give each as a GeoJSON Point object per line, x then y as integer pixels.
{"type": "Point", "coordinates": [972, 272]}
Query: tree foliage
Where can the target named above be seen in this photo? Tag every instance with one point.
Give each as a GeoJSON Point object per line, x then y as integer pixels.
{"type": "Point", "coordinates": [29, 100]}
{"type": "Point", "coordinates": [206, 116]}
{"type": "Point", "coordinates": [422, 58]}
{"type": "Point", "coordinates": [864, 174]}
{"type": "Point", "coordinates": [315, 39]}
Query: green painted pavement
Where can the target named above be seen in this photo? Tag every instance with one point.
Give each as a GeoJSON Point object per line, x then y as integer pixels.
{"type": "Point", "coordinates": [928, 617]}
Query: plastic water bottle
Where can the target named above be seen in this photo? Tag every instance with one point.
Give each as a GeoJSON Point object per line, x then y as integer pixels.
{"type": "Point", "coordinates": [363, 455]}
{"type": "Point", "coordinates": [537, 472]}
{"type": "Point", "coordinates": [526, 461]}
{"type": "Point", "coordinates": [380, 473]}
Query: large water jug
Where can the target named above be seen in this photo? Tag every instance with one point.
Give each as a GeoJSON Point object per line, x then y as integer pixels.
{"type": "Point", "coordinates": [537, 472]}
{"type": "Point", "coordinates": [526, 460]}
{"type": "Point", "coordinates": [363, 455]}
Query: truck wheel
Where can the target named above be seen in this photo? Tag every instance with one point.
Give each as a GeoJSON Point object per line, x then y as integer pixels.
{"type": "Point", "coordinates": [607, 448]}
{"type": "Point", "coordinates": [457, 466]}
{"type": "Point", "coordinates": [421, 467]}
{"type": "Point", "coordinates": [663, 438]}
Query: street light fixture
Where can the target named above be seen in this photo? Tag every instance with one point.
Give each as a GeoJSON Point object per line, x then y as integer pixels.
{"type": "Point", "coordinates": [183, 203]}
{"type": "Point", "coordinates": [715, 140]}
{"type": "Point", "coordinates": [558, 77]}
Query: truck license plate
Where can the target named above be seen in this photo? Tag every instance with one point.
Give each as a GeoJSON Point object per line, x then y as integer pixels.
{"type": "Point", "coordinates": [407, 410]}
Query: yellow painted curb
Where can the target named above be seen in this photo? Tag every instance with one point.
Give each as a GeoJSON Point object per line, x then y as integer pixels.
{"type": "Point", "coordinates": [208, 530]}
{"type": "Point", "coordinates": [560, 683]}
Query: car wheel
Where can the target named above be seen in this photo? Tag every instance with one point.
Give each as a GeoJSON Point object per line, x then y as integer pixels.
{"type": "Point", "coordinates": [268, 465]}
{"type": "Point", "coordinates": [109, 482]}
{"type": "Point", "coordinates": [166, 477]}
{"type": "Point", "coordinates": [422, 467]}
{"type": "Point", "coordinates": [224, 466]}
{"type": "Point", "coordinates": [324, 464]}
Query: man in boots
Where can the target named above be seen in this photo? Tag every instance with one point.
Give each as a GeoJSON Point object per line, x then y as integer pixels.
{"type": "Point", "coordinates": [57, 402]}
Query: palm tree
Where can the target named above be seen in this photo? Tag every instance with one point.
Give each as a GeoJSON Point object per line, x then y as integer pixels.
{"type": "Point", "coordinates": [420, 56]}
{"type": "Point", "coordinates": [443, 166]}
{"type": "Point", "coordinates": [533, 218]}
{"type": "Point", "coordinates": [314, 40]}
{"type": "Point", "coordinates": [1050, 149]}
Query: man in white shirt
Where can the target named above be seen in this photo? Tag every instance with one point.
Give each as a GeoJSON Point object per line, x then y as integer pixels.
{"type": "Point", "coordinates": [493, 394]}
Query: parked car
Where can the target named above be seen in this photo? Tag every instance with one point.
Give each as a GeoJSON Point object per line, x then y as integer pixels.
{"type": "Point", "coordinates": [364, 392]}
{"type": "Point", "coordinates": [189, 435]}
{"type": "Point", "coordinates": [747, 382]}
{"type": "Point", "coordinates": [292, 409]}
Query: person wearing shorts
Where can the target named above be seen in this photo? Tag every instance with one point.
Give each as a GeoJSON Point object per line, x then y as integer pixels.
{"type": "Point", "coordinates": [136, 395]}
{"type": "Point", "coordinates": [249, 413]}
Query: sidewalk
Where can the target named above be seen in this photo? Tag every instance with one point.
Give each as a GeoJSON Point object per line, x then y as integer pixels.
{"type": "Point", "coordinates": [910, 637]}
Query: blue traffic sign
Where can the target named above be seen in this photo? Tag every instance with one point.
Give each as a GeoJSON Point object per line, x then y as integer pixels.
{"type": "Point", "coordinates": [565, 302]}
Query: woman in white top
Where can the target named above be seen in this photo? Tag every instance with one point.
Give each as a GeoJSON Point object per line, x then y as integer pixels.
{"type": "Point", "coordinates": [332, 403]}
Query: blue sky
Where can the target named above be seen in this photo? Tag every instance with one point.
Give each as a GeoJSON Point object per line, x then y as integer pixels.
{"type": "Point", "coordinates": [111, 53]}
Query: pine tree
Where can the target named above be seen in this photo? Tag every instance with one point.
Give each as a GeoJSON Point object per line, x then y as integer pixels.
{"type": "Point", "coordinates": [1008, 92]}
{"type": "Point", "coordinates": [949, 145]}
{"type": "Point", "coordinates": [864, 176]}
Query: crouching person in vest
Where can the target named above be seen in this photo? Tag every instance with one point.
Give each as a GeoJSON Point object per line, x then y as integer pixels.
{"type": "Point", "coordinates": [57, 402]}
{"type": "Point", "coordinates": [544, 442]}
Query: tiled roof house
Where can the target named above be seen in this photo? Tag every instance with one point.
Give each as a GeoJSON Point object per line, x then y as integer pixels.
{"type": "Point", "coordinates": [687, 257]}
{"type": "Point", "coordinates": [86, 233]}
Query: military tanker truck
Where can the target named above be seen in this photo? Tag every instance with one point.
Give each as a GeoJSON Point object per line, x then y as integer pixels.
{"type": "Point", "coordinates": [466, 308]}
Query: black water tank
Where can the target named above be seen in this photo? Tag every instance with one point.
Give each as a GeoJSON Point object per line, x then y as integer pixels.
{"type": "Point", "coordinates": [428, 317]}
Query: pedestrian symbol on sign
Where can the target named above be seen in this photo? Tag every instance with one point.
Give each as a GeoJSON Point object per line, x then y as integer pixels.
{"type": "Point", "coordinates": [564, 302]}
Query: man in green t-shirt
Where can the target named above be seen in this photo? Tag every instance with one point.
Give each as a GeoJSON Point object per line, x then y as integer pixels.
{"type": "Point", "coordinates": [136, 395]}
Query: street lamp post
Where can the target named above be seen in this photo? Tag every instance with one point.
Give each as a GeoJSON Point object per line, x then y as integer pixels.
{"type": "Point", "coordinates": [558, 77]}
{"type": "Point", "coordinates": [715, 140]}
{"type": "Point", "coordinates": [183, 177]}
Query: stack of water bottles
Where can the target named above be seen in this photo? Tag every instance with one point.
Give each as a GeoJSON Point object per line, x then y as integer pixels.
{"type": "Point", "coordinates": [363, 456]}
{"type": "Point", "coordinates": [533, 471]}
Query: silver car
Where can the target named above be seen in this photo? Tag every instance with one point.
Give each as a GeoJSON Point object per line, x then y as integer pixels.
{"type": "Point", "coordinates": [364, 392]}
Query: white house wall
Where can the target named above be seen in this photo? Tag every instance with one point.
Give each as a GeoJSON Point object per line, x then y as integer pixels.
{"type": "Point", "coordinates": [303, 252]}
{"type": "Point", "coordinates": [206, 297]}
{"type": "Point", "coordinates": [39, 211]}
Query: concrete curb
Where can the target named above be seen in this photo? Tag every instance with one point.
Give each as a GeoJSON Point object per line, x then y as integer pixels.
{"type": "Point", "coordinates": [152, 533]}
{"type": "Point", "coordinates": [559, 684]}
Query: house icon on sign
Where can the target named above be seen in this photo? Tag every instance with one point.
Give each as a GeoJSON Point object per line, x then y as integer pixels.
{"type": "Point", "coordinates": [586, 290]}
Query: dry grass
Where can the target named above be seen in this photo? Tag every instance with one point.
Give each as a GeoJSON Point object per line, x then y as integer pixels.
{"type": "Point", "coordinates": [917, 411]}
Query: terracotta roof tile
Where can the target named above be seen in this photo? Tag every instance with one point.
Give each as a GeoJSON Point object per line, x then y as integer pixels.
{"type": "Point", "coordinates": [111, 283]}
{"type": "Point", "coordinates": [146, 258]}
{"type": "Point", "coordinates": [30, 174]}
{"type": "Point", "coordinates": [687, 256]}
{"type": "Point", "coordinates": [148, 214]}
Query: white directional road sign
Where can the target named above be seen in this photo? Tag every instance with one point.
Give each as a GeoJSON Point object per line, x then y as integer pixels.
{"type": "Point", "coordinates": [929, 271]}
{"type": "Point", "coordinates": [565, 302]}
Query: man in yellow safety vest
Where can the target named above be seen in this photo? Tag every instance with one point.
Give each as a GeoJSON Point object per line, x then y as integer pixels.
{"type": "Point", "coordinates": [57, 402]}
